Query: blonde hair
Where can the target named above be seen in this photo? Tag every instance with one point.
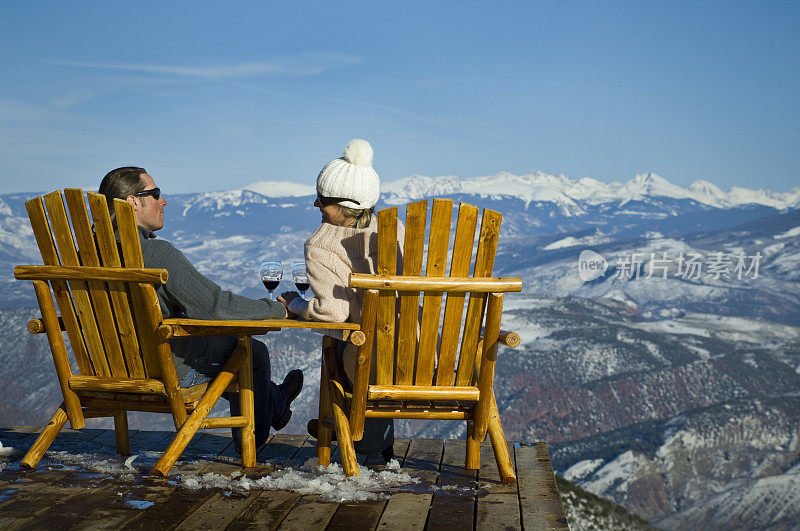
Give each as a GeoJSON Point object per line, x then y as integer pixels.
{"type": "Point", "coordinates": [362, 217]}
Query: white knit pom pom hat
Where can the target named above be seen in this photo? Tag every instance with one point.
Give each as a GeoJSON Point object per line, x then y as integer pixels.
{"type": "Point", "coordinates": [351, 177]}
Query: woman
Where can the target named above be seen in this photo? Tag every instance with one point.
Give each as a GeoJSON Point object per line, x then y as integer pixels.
{"type": "Point", "coordinates": [345, 242]}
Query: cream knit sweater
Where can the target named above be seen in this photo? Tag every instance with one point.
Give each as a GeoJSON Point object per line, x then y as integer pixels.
{"type": "Point", "coordinates": [332, 253]}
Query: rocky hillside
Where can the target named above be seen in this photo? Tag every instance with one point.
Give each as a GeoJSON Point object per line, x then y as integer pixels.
{"type": "Point", "coordinates": [589, 512]}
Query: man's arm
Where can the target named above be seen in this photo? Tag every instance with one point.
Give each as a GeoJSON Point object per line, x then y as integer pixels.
{"type": "Point", "coordinates": [200, 297]}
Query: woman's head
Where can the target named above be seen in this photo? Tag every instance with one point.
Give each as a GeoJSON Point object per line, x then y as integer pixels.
{"type": "Point", "coordinates": [348, 187]}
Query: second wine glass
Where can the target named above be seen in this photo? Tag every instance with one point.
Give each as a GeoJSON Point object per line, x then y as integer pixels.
{"type": "Point", "coordinates": [271, 272]}
{"type": "Point", "coordinates": [300, 277]}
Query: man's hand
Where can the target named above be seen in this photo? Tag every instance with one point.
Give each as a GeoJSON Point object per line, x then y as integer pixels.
{"type": "Point", "coordinates": [285, 298]}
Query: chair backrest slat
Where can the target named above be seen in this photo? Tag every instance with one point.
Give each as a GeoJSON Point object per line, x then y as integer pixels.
{"type": "Point", "coordinates": [484, 263]}
{"type": "Point", "coordinates": [97, 290]}
{"type": "Point", "coordinates": [47, 248]}
{"type": "Point", "coordinates": [409, 301]}
{"type": "Point", "coordinates": [387, 265]}
{"type": "Point", "coordinates": [109, 256]}
{"type": "Point", "coordinates": [83, 305]}
{"type": "Point", "coordinates": [132, 257]}
{"type": "Point", "coordinates": [441, 215]}
{"type": "Point", "coordinates": [454, 307]}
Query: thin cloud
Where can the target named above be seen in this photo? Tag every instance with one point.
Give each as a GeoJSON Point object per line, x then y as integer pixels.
{"type": "Point", "coordinates": [302, 64]}
{"type": "Point", "coordinates": [455, 125]}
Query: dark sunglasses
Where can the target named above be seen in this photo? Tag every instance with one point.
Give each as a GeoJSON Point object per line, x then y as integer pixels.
{"type": "Point", "coordinates": [155, 192]}
{"type": "Point", "coordinates": [326, 201]}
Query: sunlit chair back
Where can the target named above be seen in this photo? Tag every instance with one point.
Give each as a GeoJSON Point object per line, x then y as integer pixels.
{"type": "Point", "coordinates": [432, 364]}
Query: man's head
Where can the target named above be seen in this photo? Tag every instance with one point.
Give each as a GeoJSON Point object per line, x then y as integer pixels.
{"type": "Point", "coordinates": [135, 186]}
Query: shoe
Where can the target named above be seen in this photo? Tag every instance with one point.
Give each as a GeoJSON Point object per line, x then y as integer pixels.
{"type": "Point", "coordinates": [313, 429]}
{"type": "Point", "coordinates": [387, 454]}
{"type": "Point", "coordinates": [290, 388]}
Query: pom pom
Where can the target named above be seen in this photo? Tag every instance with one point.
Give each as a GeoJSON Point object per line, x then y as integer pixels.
{"type": "Point", "coordinates": [358, 152]}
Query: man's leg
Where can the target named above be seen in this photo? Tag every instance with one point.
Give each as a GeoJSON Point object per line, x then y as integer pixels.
{"type": "Point", "coordinates": [271, 400]}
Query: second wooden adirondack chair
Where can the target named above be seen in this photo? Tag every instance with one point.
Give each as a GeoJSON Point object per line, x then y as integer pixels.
{"type": "Point", "coordinates": [420, 372]}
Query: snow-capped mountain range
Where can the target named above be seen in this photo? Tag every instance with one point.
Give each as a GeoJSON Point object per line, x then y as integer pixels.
{"type": "Point", "coordinates": [543, 187]}
{"type": "Point", "coordinates": [570, 193]}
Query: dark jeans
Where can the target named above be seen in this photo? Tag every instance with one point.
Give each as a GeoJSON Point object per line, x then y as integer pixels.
{"type": "Point", "coordinates": [269, 404]}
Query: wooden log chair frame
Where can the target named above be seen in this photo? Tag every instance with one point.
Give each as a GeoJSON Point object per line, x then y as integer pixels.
{"type": "Point", "coordinates": [107, 306]}
{"type": "Point", "coordinates": [406, 384]}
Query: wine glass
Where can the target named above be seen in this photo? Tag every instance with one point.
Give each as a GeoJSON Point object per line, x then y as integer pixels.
{"type": "Point", "coordinates": [271, 272]}
{"type": "Point", "coordinates": [300, 277]}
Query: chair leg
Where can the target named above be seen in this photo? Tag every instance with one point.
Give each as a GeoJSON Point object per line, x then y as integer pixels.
{"type": "Point", "coordinates": [180, 442]}
{"type": "Point", "coordinates": [247, 407]}
{"type": "Point", "coordinates": [346, 448]}
{"type": "Point", "coordinates": [45, 439]}
{"type": "Point", "coordinates": [323, 432]}
{"type": "Point", "coordinates": [473, 461]}
{"type": "Point", "coordinates": [121, 431]}
{"type": "Point", "coordinates": [500, 446]}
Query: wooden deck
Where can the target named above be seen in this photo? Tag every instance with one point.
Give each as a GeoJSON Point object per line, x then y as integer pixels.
{"type": "Point", "coordinates": [59, 496]}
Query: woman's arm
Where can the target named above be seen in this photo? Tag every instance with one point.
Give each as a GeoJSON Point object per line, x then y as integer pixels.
{"type": "Point", "coordinates": [328, 276]}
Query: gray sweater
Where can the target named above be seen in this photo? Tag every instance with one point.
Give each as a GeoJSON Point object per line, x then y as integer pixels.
{"type": "Point", "coordinates": [189, 294]}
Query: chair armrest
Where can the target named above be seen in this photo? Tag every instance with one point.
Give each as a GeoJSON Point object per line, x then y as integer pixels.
{"type": "Point", "coordinates": [507, 338]}
{"type": "Point", "coordinates": [105, 274]}
{"type": "Point", "coordinates": [170, 328]}
{"type": "Point", "coordinates": [36, 326]}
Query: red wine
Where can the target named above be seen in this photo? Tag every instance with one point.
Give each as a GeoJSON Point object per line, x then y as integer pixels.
{"type": "Point", "coordinates": [301, 286]}
{"type": "Point", "coordinates": [271, 284]}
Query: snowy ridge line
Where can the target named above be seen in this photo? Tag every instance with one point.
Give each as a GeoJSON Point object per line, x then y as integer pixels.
{"type": "Point", "coordinates": [569, 193]}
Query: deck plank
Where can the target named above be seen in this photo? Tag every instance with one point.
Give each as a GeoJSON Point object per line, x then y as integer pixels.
{"type": "Point", "coordinates": [357, 515]}
{"type": "Point", "coordinates": [309, 451]}
{"type": "Point", "coordinates": [267, 511]}
{"type": "Point", "coordinates": [491, 511]}
{"type": "Point", "coordinates": [405, 510]}
{"type": "Point", "coordinates": [281, 447]}
{"type": "Point", "coordinates": [423, 459]}
{"type": "Point", "coordinates": [375, 461]}
{"type": "Point", "coordinates": [218, 511]}
{"type": "Point", "coordinates": [311, 512]}
{"type": "Point", "coordinates": [540, 503]}
{"type": "Point", "coordinates": [454, 506]}
{"type": "Point", "coordinates": [108, 439]}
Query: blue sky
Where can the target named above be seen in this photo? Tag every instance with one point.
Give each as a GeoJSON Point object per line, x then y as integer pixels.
{"type": "Point", "coordinates": [210, 95]}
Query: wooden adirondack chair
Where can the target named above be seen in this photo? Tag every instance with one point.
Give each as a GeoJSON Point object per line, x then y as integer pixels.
{"type": "Point", "coordinates": [109, 310]}
{"type": "Point", "coordinates": [407, 363]}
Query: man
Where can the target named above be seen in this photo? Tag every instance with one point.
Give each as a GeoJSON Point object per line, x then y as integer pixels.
{"type": "Point", "coordinates": [189, 294]}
